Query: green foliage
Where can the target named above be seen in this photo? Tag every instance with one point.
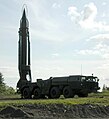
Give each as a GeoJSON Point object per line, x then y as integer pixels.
{"type": "Point", "coordinates": [2, 84]}
{"type": "Point", "coordinates": [9, 90]}
{"type": "Point", "coordinates": [4, 89]}
{"type": "Point", "coordinates": [1, 78]}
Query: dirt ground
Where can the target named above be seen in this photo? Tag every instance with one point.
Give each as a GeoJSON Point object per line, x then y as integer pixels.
{"type": "Point", "coordinates": [55, 111]}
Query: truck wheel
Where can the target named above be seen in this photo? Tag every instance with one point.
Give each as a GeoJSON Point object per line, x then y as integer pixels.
{"type": "Point", "coordinates": [68, 92]}
{"type": "Point", "coordinates": [26, 93]}
{"type": "Point", "coordinates": [54, 92]}
{"type": "Point", "coordinates": [37, 93]}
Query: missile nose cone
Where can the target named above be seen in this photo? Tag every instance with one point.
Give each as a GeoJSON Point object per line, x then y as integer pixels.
{"type": "Point", "coordinates": [24, 21]}
{"type": "Point", "coordinates": [24, 14]}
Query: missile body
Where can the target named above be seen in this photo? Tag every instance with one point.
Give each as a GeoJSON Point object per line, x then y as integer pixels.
{"type": "Point", "coordinates": [24, 49]}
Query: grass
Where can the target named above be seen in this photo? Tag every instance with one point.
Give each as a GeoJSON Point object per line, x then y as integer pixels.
{"type": "Point", "coordinates": [99, 98]}
{"type": "Point", "coordinates": [100, 101]}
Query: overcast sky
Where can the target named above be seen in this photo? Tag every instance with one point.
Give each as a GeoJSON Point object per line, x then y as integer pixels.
{"type": "Point", "coordinates": [64, 35]}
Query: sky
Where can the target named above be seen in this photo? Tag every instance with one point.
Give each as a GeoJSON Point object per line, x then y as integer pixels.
{"type": "Point", "coordinates": [67, 37]}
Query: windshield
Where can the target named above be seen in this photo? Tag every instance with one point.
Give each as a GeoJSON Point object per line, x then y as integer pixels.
{"type": "Point", "coordinates": [94, 79]}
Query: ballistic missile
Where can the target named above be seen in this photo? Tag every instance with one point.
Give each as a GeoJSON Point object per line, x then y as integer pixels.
{"type": "Point", "coordinates": [24, 48]}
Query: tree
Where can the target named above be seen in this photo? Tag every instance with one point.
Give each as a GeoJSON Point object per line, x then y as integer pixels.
{"type": "Point", "coordinates": [4, 89]}
{"type": "Point", "coordinates": [1, 78]}
{"type": "Point", "coordinates": [2, 84]}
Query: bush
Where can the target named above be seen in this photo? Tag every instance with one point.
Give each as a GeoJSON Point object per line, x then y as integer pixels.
{"type": "Point", "coordinates": [9, 90]}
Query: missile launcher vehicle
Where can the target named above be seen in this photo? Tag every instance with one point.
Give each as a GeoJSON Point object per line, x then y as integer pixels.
{"type": "Point", "coordinates": [53, 87]}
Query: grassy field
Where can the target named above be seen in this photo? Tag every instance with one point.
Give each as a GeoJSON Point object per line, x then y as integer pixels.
{"type": "Point", "coordinates": [99, 98]}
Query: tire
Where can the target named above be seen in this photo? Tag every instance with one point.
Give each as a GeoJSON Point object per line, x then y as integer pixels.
{"type": "Point", "coordinates": [26, 93]}
{"type": "Point", "coordinates": [54, 93]}
{"type": "Point", "coordinates": [68, 92]}
{"type": "Point", "coordinates": [37, 93]}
